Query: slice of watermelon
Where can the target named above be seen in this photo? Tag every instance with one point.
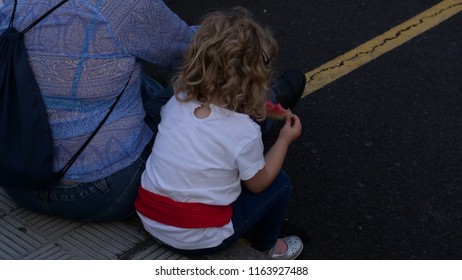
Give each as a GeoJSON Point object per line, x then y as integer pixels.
{"type": "Point", "coordinates": [276, 111]}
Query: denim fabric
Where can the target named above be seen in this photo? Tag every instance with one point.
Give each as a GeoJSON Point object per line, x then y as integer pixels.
{"type": "Point", "coordinates": [153, 103]}
{"type": "Point", "coordinates": [264, 211]}
{"type": "Point", "coordinates": [107, 199]}
{"type": "Point", "coordinates": [267, 123]}
{"type": "Point", "coordinates": [261, 214]}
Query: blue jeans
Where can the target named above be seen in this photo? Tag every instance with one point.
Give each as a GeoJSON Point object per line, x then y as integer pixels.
{"type": "Point", "coordinates": [108, 199]}
{"type": "Point", "coordinates": [261, 214]}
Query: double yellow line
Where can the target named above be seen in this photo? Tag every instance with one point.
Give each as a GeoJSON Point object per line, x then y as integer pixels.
{"type": "Point", "coordinates": [381, 44]}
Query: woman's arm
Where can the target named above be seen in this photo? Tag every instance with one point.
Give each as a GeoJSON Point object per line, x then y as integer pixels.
{"type": "Point", "coordinates": [153, 33]}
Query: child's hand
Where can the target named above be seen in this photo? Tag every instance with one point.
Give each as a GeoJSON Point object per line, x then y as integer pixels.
{"type": "Point", "coordinates": [291, 130]}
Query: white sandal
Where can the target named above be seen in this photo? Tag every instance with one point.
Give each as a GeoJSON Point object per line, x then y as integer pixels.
{"type": "Point", "coordinates": [294, 248]}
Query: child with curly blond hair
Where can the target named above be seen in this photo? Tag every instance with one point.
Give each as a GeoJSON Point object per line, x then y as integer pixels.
{"type": "Point", "coordinates": [207, 181]}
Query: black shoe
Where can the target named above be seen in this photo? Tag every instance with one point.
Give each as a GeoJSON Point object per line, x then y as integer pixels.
{"type": "Point", "coordinates": [289, 88]}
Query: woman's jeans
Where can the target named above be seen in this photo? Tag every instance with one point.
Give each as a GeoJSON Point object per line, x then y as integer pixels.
{"type": "Point", "coordinates": [108, 199]}
{"type": "Point", "coordinates": [260, 213]}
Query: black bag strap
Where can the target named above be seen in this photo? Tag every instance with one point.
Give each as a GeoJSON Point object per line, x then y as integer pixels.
{"type": "Point", "coordinates": [12, 15]}
{"type": "Point", "coordinates": [37, 20]}
{"type": "Point", "coordinates": [60, 173]}
{"type": "Point", "coordinates": [43, 16]}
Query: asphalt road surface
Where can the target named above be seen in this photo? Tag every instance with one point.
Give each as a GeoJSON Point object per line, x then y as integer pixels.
{"type": "Point", "coordinates": [377, 172]}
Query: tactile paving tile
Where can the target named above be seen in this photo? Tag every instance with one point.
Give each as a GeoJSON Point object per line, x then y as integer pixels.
{"type": "Point", "coordinates": [16, 241]}
{"type": "Point", "coordinates": [51, 251]}
{"type": "Point", "coordinates": [6, 205]}
{"type": "Point", "coordinates": [28, 235]}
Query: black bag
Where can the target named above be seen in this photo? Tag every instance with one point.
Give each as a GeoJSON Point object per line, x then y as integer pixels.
{"type": "Point", "coordinates": [26, 144]}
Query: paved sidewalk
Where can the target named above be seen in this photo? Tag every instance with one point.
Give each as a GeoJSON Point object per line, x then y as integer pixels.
{"type": "Point", "coordinates": [28, 235]}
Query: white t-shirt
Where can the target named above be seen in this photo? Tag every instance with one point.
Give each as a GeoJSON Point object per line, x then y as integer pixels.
{"type": "Point", "coordinates": [200, 160]}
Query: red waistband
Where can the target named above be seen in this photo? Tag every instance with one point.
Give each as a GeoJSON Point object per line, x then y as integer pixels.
{"type": "Point", "coordinates": [164, 210]}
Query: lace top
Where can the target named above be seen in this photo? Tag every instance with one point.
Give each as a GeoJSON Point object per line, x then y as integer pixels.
{"type": "Point", "coordinates": [82, 55]}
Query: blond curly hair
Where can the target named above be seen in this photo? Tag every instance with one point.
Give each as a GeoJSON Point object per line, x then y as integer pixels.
{"type": "Point", "coordinates": [228, 64]}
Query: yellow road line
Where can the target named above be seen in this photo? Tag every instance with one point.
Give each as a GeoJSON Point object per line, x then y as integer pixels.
{"type": "Point", "coordinates": [381, 44]}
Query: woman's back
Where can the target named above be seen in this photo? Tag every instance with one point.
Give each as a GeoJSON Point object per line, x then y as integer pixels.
{"type": "Point", "coordinates": [82, 55]}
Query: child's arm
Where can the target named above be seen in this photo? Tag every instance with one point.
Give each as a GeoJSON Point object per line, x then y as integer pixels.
{"type": "Point", "coordinates": [275, 156]}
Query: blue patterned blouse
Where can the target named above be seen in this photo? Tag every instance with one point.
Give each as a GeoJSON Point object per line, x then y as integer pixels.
{"type": "Point", "coordinates": [82, 55]}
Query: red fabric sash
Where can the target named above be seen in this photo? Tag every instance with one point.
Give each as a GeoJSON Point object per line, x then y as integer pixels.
{"type": "Point", "coordinates": [164, 210]}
